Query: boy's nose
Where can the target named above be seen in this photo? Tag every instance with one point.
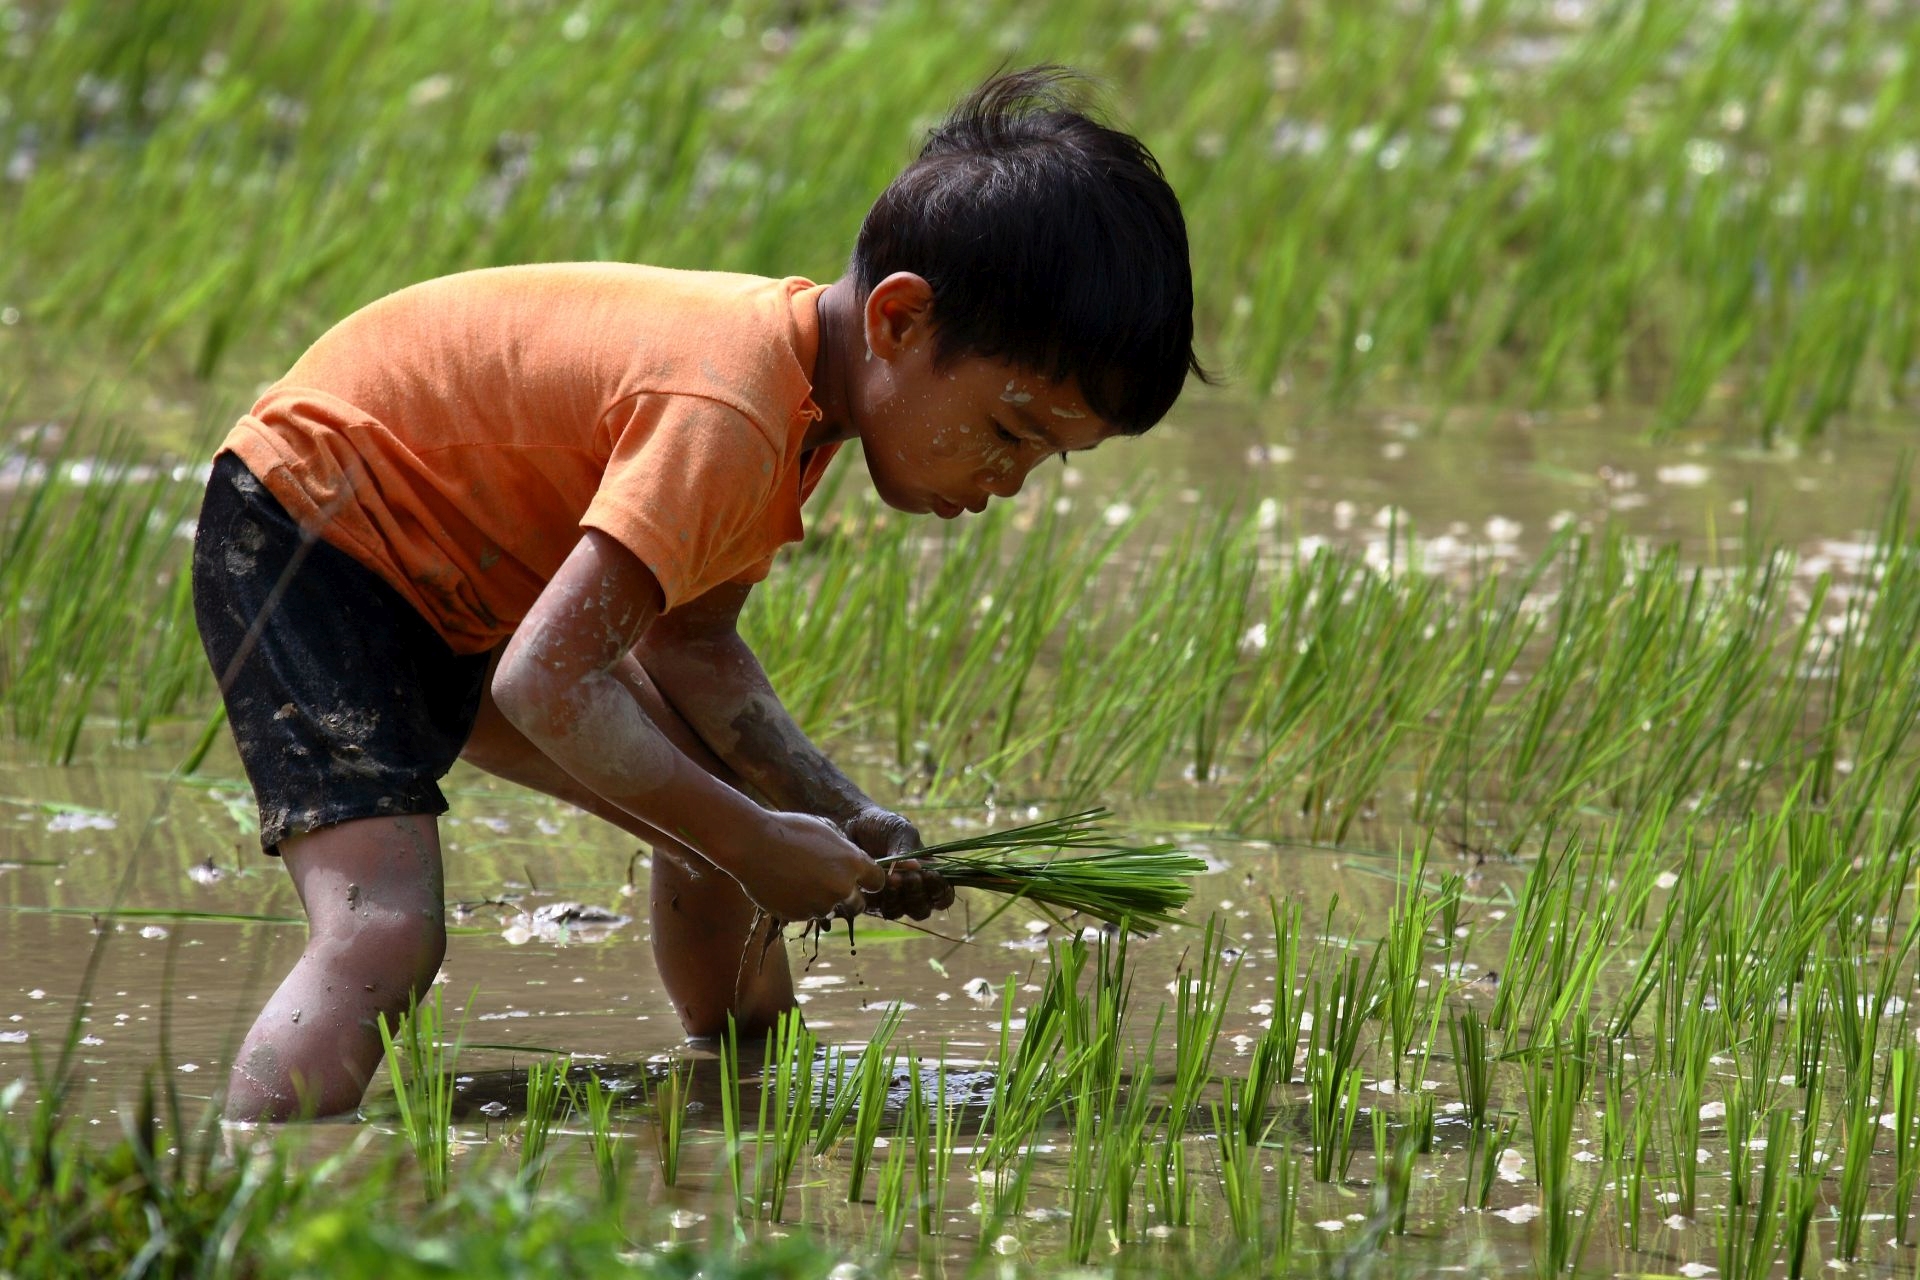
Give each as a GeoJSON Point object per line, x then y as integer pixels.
{"type": "Point", "coordinates": [1002, 484]}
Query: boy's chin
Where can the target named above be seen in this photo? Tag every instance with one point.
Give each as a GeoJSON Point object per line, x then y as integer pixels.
{"type": "Point", "coordinates": [910, 503]}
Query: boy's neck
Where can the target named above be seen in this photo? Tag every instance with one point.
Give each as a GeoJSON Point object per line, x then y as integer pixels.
{"type": "Point", "coordinates": [843, 342]}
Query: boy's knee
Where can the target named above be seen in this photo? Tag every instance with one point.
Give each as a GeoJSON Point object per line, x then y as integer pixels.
{"type": "Point", "coordinates": [390, 951]}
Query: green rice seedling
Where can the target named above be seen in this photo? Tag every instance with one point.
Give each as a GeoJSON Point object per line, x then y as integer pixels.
{"type": "Point", "coordinates": [1421, 1123]}
{"type": "Point", "coordinates": [1085, 1187]}
{"type": "Point", "coordinates": [1333, 1076]}
{"type": "Point", "coordinates": [1201, 996]}
{"type": "Point", "coordinates": [1860, 1123]}
{"type": "Point", "coordinates": [1617, 1125]}
{"type": "Point", "coordinates": [1270, 1065]}
{"type": "Point", "coordinates": [870, 1083]}
{"type": "Point", "coordinates": [1485, 1146]}
{"type": "Point", "coordinates": [603, 1137]}
{"type": "Point", "coordinates": [1903, 1090]}
{"type": "Point", "coordinates": [893, 1197]}
{"type": "Point", "coordinates": [1526, 938]}
{"type": "Point", "coordinates": [1239, 1163]}
{"type": "Point", "coordinates": [1757, 1054]}
{"type": "Point", "coordinates": [420, 1063]}
{"type": "Point", "coordinates": [1472, 1063]}
{"type": "Point", "coordinates": [668, 1099]}
{"type": "Point", "coordinates": [931, 1126]}
{"type": "Point", "coordinates": [1138, 886]}
{"type": "Point", "coordinates": [1803, 1200]}
{"type": "Point", "coordinates": [1005, 1196]}
{"type": "Point", "coordinates": [1688, 1083]}
{"type": "Point", "coordinates": [731, 1122]}
{"type": "Point", "coordinates": [1450, 918]}
{"type": "Point", "coordinates": [548, 1095]}
{"type": "Point", "coordinates": [1123, 1150]}
{"type": "Point", "coordinates": [846, 1087]}
{"type": "Point", "coordinates": [1750, 1225]}
{"type": "Point", "coordinates": [1030, 1077]}
{"type": "Point", "coordinates": [1393, 1164]}
{"type": "Point", "coordinates": [94, 598]}
{"type": "Point", "coordinates": [1556, 1085]}
{"type": "Point", "coordinates": [1405, 947]}
{"type": "Point", "coordinates": [1171, 1189]}
{"type": "Point", "coordinates": [1286, 1208]}
{"type": "Point", "coordinates": [789, 1092]}
{"type": "Point", "coordinates": [1099, 1018]}
{"type": "Point", "coordinates": [1107, 1116]}
{"type": "Point", "coordinates": [1809, 1043]}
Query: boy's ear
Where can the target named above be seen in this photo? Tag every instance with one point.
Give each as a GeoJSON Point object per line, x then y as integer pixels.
{"type": "Point", "coordinates": [899, 314]}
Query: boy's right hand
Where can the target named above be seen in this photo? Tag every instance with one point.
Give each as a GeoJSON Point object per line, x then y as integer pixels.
{"type": "Point", "coordinates": [805, 869]}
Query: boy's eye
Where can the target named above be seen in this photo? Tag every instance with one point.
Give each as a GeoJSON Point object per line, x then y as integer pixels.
{"type": "Point", "coordinates": [1003, 433]}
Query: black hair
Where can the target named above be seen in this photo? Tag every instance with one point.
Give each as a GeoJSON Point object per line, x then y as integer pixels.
{"type": "Point", "coordinates": [1051, 240]}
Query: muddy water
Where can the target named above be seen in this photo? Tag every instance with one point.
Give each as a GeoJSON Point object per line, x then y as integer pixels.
{"type": "Point", "coordinates": [209, 925]}
{"type": "Point", "coordinates": [214, 924]}
{"type": "Point", "coordinates": [1477, 483]}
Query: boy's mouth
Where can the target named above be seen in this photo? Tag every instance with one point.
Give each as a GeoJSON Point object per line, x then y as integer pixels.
{"type": "Point", "coordinates": [946, 510]}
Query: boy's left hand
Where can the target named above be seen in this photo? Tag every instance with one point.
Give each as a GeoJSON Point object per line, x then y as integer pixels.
{"type": "Point", "coordinates": [912, 890]}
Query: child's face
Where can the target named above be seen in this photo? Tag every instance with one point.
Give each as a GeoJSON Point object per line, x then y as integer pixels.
{"type": "Point", "coordinates": [944, 440]}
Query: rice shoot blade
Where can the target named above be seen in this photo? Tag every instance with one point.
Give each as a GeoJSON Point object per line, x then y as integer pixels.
{"type": "Point", "coordinates": [1138, 886]}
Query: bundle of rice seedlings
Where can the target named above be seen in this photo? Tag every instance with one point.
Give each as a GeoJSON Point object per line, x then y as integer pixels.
{"type": "Point", "coordinates": [1136, 886]}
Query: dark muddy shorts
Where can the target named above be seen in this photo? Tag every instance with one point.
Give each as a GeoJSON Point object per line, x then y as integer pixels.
{"type": "Point", "coordinates": [343, 701]}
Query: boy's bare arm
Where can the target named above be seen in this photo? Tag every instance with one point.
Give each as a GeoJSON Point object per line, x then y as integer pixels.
{"type": "Point", "coordinates": [555, 683]}
{"type": "Point", "coordinates": [701, 665]}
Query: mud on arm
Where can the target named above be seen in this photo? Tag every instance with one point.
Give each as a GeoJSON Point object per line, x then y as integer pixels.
{"type": "Point", "coordinates": [700, 664]}
{"type": "Point", "coordinates": [555, 683]}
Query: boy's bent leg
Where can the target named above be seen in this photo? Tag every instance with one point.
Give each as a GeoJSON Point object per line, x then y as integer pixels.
{"type": "Point", "coordinates": [715, 953]}
{"type": "Point", "coordinates": [372, 889]}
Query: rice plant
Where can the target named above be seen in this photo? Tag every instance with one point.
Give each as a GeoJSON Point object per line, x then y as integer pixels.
{"type": "Point", "coordinates": [668, 1099]}
{"type": "Point", "coordinates": [1556, 1086]}
{"type": "Point", "coordinates": [548, 1095]}
{"type": "Point", "coordinates": [932, 1127]}
{"type": "Point", "coordinates": [1333, 1073]}
{"type": "Point", "coordinates": [1404, 980]}
{"type": "Point", "coordinates": [420, 1063]}
{"type": "Point", "coordinates": [603, 1136]}
{"type": "Point", "coordinates": [1241, 1185]}
{"type": "Point", "coordinates": [893, 1197]}
{"type": "Point", "coordinates": [1692, 1053]}
{"type": "Point", "coordinates": [1393, 1162]}
{"type": "Point", "coordinates": [1486, 1145]}
{"type": "Point", "coordinates": [1200, 1005]}
{"type": "Point", "coordinates": [876, 1071]}
{"type": "Point", "coordinates": [1472, 1063]}
{"type": "Point", "coordinates": [1903, 1090]}
{"type": "Point", "coordinates": [1750, 1225]}
{"type": "Point", "coordinates": [1274, 1053]}
{"type": "Point", "coordinates": [788, 1095]}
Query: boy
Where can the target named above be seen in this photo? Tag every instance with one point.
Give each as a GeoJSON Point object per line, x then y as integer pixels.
{"type": "Point", "coordinates": [512, 516]}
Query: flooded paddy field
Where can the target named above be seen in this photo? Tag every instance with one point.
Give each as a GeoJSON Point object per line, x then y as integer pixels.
{"type": "Point", "coordinates": [1523, 636]}
{"type": "Point", "coordinates": [1626, 918]}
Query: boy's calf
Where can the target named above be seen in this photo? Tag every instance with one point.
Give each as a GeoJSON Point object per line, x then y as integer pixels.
{"type": "Point", "coordinates": [373, 894]}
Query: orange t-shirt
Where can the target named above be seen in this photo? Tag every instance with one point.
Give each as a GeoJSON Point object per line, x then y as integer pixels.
{"type": "Point", "coordinates": [456, 436]}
